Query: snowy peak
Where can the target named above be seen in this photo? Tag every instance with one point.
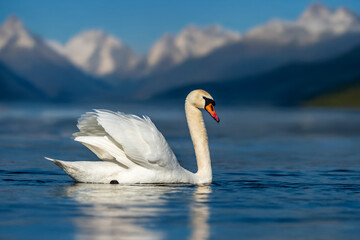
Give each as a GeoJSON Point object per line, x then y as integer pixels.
{"type": "Point", "coordinates": [315, 11]}
{"type": "Point", "coordinates": [191, 42]}
{"type": "Point", "coordinates": [13, 31]}
{"type": "Point", "coordinates": [314, 24]}
{"type": "Point", "coordinates": [278, 32]}
{"type": "Point", "coordinates": [319, 19]}
{"type": "Point", "coordinates": [13, 24]}
{"type": "Point", "coordinates": [164, 48]}
{"type": "Point", "coordinates": [194, 41]}
{"type": "Point", "coordinates": [99, 53]}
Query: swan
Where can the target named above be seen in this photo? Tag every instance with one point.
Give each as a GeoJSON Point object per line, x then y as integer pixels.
{"type": "Point", "coordinates": [134, 151]}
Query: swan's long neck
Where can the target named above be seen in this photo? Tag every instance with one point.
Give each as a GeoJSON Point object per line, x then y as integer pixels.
{"type": "Point", "coordinates": [200, 141]}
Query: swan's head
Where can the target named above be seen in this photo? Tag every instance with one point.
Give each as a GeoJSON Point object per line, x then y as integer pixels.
{"type": "Point", "coordinates": [202, 100]}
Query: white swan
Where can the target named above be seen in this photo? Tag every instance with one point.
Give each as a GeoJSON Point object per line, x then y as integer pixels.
{"type": "Point", "coordinates": [134, 151]}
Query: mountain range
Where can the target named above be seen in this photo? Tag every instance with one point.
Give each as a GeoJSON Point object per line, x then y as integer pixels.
{"type": "Point", "coordinates": [95, 63]}
{"type": "Point", "coordinates": [101, 54]}
{"type": "Point", "coordinates": [265, 48]}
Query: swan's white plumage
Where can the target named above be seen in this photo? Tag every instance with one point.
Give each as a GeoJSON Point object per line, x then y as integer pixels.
{"type": "Point", "coordinates": [134, 151]}
{"type": "Point", "coordinates": [125, 138]}
{"type": "Point", "coordinates": [105, 149]}
{"type": "Point", "coordinates": [139, 138]}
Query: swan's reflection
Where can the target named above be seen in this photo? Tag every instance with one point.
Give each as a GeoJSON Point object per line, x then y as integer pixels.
{"type": "Point", "coordinates": [200, 213]}
{"type": "Point", "coordinates": [128, 212]}
{"type": "Point", "coordinates": [114, 211]}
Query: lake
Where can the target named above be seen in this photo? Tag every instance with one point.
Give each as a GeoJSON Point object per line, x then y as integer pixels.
{"type": "Point", "coordinates": [278, 173]}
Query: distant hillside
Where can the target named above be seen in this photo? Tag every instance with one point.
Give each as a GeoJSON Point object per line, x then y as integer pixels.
{"type": "Point", "coordinates": [289, 85]}
{"type": "Point", "coordinates": [13, 87]}
{"type": "Point", "coordinates": [348, 98]}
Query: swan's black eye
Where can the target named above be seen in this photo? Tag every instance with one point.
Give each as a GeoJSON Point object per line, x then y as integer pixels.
{"type": "Point", "coordinates": [208, 101]}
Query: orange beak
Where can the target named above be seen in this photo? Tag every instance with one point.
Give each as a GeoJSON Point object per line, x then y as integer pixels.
{"type": "Point", "coordinates": [210, 109]}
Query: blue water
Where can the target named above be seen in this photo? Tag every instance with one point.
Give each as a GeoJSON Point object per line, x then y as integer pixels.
{"type": "Point", "coordinates": [278, 174]}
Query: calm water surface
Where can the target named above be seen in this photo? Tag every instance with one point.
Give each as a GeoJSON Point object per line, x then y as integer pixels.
{"type": "Point", "coordinates": [278, 174]}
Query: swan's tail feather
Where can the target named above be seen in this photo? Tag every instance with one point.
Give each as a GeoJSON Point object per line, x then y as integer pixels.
{"type": "Point", "coordinates": [50, 159]}
{"type": "Point", "coordinates": [66, 166]}
{"type": "Point", "coordinates": [53, 160]}
{"type": "Point", "coordinates": [61, 164]}
{"type": "Point", "coordinates": [89, 171]}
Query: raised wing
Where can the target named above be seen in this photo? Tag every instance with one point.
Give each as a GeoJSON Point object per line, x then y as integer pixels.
{"type": "Point", "coordinates": [127, 139]}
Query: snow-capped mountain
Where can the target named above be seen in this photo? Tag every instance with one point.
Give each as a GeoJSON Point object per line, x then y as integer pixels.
{"type": "Point", "coordinates": [319, 19]}
{"type": "Point", "coordinates": [28, 56]}
{"type": "Point", "coordinates": [13, 31]}
{"type": "Point", "coordinates": [315, 23]}
{"type": "Point", "coordinates": [191, 42]}
{"type": "Point", "coordinates": [98, 53]}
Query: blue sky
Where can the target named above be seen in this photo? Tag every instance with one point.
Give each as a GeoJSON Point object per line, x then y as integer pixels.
{"type": "Point", "coordinates": [141, 23]}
